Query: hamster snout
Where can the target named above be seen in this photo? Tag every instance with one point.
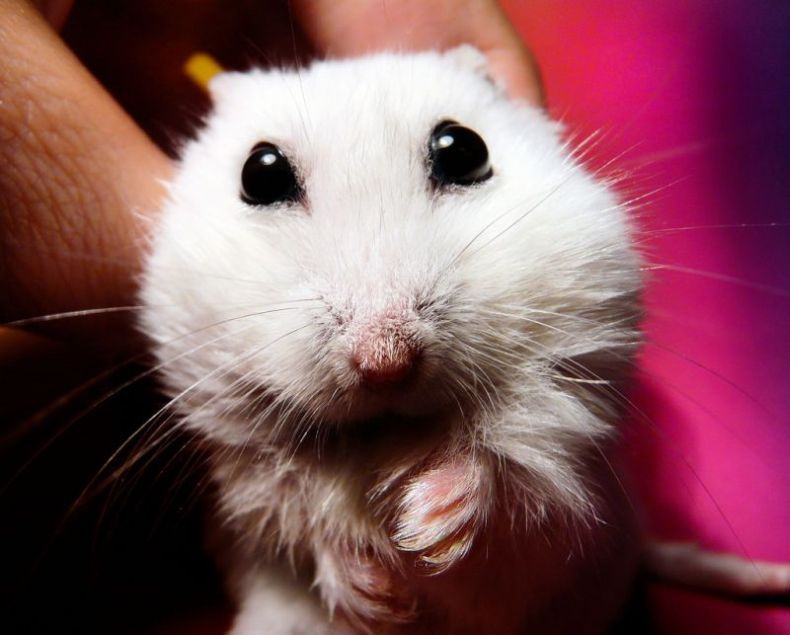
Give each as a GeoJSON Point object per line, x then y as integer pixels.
{"type": "Point", "coordinates": [386, 349]}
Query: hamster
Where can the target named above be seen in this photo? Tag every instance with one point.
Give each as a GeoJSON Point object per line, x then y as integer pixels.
{"type": "Point", "coordinates": [401, 317]}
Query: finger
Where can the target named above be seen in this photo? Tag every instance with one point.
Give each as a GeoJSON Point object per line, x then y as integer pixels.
{"type": "Point", "coordinates": [518, 71]}
{"type": "Point", "coordinates": [78, 179]}
{"type": "Point", "coordinates": [55, 11]}
{"type": "Point", "coordinates": [353, 27]}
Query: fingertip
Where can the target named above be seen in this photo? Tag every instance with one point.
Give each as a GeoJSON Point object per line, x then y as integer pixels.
{"type": "Point", "coordinates": [55, 12]}
{"type": "Point", "coordinates": [519, 74]}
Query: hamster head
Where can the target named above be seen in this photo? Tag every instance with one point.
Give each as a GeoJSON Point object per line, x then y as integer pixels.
{"type": "Point", "coordinates": [389, 236]}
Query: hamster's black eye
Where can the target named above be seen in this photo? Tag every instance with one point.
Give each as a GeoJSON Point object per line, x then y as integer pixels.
{"type": "Point", "coordinates": [457, 155]}
{"type": "Point", "coordinates": [267, 177]}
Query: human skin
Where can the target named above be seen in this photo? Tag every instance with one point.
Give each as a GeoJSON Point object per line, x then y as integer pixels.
{"type": "Point", "coordinates": [81, 181]}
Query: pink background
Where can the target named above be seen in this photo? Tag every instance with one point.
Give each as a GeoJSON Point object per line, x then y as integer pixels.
{"type": "Point", "coordinates": [694, 99]}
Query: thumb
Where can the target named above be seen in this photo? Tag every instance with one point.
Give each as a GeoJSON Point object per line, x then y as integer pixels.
{"type": "Point", "coordinates": [78, 178]}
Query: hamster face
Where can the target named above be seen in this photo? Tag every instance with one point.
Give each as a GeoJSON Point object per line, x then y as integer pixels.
{"type": "Point", "coordinates": [375, 288]}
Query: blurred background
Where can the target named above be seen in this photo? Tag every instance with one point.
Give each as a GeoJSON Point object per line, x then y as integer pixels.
{"type": "Point", "coordinates": [688, 99]}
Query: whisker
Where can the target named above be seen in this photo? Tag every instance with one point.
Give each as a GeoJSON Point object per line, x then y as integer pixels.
{"type": "Point", "coordinates": [96, 311]}
{"type": "Point", "coordinates": [711, 275]}
{"type": "Point", "coordinates": [222, 368]}
{"type": "Point", "coordinates": [667, 230]}
{"type": "Point", "coordinates": [477, 236]}
{"type": "Point", "coordinates": [71, 314]}
{"type": "Point", "coordinates": [112, 393]}
{"type": "Point", "coordinates": [658, 431]}
{"type": "Point", "coordinates": [226, 392]}
{"type": "Point", "coordinates": [63, 429]}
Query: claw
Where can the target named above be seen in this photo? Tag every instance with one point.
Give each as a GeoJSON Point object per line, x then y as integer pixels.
{"type": "Point", "coordinates": [439, 514]}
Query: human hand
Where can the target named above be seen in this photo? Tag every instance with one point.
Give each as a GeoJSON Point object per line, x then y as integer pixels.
{"type": "Point", "coordinates": [343, 28]}
{"type": "Point", "coordinates": [77, 175]}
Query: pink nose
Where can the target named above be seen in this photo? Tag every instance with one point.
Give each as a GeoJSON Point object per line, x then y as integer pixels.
{"type": "Point", "coordinates": [386, 358]}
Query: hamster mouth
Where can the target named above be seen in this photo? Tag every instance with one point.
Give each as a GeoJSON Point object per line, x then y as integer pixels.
{"type": "Point", "coordinates": [364, 402]}
{"type": "Point", "coordinates": [365, 414]}
{"type": "Point", "coordinates": [362, 418]}
{"type": "Point", "coordinates": [394, 425]}
{"type": "Point", "coordinates": [386, 433]}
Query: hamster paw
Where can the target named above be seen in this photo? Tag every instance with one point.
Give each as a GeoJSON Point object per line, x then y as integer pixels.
{"type": "Point", "coordinates": [439, 512]}
{"type": "Point", "coordinates": [362, 590]}
{"type": "Point", "coordinates": [274, 605]}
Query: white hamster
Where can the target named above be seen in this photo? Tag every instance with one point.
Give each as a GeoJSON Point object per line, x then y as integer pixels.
{"type": "Point", "coordinates": [401, 316]}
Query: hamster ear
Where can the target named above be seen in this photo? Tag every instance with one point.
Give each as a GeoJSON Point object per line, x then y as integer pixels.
{"type": "Point", "coordinates": [469, 58]}
{"type": "Point", "coordinates": [220, 86]}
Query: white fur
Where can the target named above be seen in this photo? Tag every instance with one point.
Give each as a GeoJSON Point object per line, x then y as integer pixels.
{"type": "Point", "coordinates": [254, 312]}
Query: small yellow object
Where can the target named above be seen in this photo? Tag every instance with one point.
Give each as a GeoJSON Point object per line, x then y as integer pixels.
{"type": "Point", "coordinates": [200, 68]}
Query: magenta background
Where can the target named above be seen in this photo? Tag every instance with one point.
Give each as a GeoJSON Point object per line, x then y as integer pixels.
{"type": "Point", "coordinates": [697, 96]}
